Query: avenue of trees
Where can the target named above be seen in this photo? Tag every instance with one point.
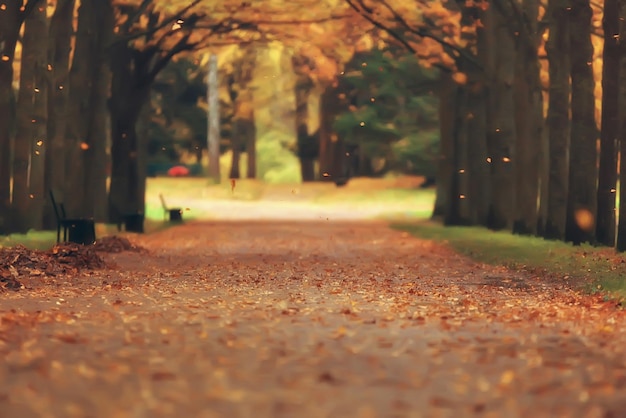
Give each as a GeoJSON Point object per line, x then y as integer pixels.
{"type": "Point", "coordinates": [524, 146]}
{"type": "Point", "coordinates": [531, 100]}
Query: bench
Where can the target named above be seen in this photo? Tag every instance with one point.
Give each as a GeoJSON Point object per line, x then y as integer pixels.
{"type": "Point", "coordinates": [175, 214]}
{"type": "Point", "coordinates": [76, 230]}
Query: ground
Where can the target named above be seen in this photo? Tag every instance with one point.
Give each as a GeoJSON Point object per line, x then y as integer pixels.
{"type": "Point", "coordinates": [308, 317]}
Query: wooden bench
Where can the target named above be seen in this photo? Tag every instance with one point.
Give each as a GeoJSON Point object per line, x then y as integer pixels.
{"type": "Point", "coordinates": [76, 230]}
{"type": "Point", "coordinates": [175, 214]}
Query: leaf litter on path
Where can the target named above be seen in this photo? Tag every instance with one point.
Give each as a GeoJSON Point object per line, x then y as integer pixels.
{"type": "Point", "coordinates": [309, 319]}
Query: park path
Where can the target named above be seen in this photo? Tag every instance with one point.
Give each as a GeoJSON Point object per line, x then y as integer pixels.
{"type": "Point", "coordinates": [306, 319]}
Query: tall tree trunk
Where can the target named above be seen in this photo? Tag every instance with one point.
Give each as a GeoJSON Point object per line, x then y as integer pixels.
{"type": "Point", "coordinates": [251, 148]}
{"type": "Point", "coordinates": [213, 134]}
{"type": "Point", "coordinates": [479, 193]}
{"type": "Point", "coordinates": [31, 117]}
{"type": "Point", "coordinates": [59, 55]}
{"type": "Point", "coordinates": [243, 119]}
{"type": "Point", "coordinates": [621, 227]}
{"type": "Point", "coordinates": [446, 185]}
{"type": "Point", "coordinates": [583, 172]}
{"type": "Point", "coordinates": [326, 135]}
{"type": "Point", "coordinates": [10, 22]}
{"type": "Point", "coordinates": [503, 138]}
{"type": "Point", "coordinates": [558, 117]}
{"type": "Point", "coordinates": [607, 178]}
{"type": "Point", "coordinates": [39, 142]}
{"type": "Point", "coordinates": [127, 100]}
{"type": "Point", "coordinates": [236, 156]}
{"type": "Point", "coordinates": [79, 110]}
{"type": "Point", "coordinates": [527, 90]}
{"type": "Point", "coordinates": [306, 144]}
{"type": "Point", "coordinates": [457, 210]}
{"type": "Point", "coordinates": [95, 182]}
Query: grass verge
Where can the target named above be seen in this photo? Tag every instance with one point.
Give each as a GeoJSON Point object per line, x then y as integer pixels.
{"type": "Point", "coordinates": [593, 268]}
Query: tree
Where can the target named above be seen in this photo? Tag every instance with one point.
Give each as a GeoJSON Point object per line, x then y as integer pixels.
{"type": "Point", "coordinates": [607, 178]}
{"type": "Point", "coordinates": [307, 146]}
{"type": "Point", "coordinates": [529, 119]}
{"type": "Point", "coordinates": [59, 47]}
{"type": "Point", "coordinates": [137, 55]}
{"type": "Point", "coordinates": [243, 128]}
{"type": "Point", "coordinates": [85, 147]}
{"type": "Point", "coordinates": [31, 113]}
{"type": "Point", "coordinates": [12, 16]}
{"type": "Point", "coordinates": [558, 122]}
{"type": "Point", "coordinates": [583, 175]}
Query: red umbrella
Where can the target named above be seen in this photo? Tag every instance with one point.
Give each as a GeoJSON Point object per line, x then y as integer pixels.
{"type": "Point", "coordinates": [178, 171]}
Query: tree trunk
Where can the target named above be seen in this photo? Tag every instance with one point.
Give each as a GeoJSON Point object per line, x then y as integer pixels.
{"type": "Point", "coordinates": [446, 185]}
{"type": "Point", "coordinates": [213, 135]}
{"type": "Point", "coordinates": [251, 148]}
{"type": "Point", "coordinates": [236, 157]}
{"type": "Point", "coordinates": [79, 110]}
{"type": "Point", "coordinates": [128, 97]}
{"type": "Point", "coordinates": [621, 227]}
{"type": "Point", "coordinates": [558, 122]}
{"type": "Point", "coordinates": [502, 138]}
{"type": "Point", "coordinates": [10, 23]}
{"type": "Point", "coordinates": [528, 124]}
{"type": "Point", "coordinates": [479, 193]}
{"type": "Point", "coordinates": [59, 55]}
{"type": "Point", "coordinates": [325, 132]}
{"type": "Point", "coordinates": [607, 178]}
{"type": "Point", "coordinates": [28, 163]}
{"type": "Point", "coordinates": [95, 182]}
{"type": "Point", "coordinates": [243, 119]}
{"type": "Point", "coordinates": [457, 210]}
{"type": "Point", "coordinates": [306, 144]}
{"type": "Point", "coordinates": [583, 172]}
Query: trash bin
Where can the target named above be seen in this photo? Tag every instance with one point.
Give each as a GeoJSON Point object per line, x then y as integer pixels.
{"type": "Point", "coordinates": [82, 231]}
{"type": "Point", "coordinates": [176, 215]}
{"type": "Point", "coordinates": [134, 222]}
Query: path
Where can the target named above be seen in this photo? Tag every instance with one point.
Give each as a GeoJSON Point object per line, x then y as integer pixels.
{"type": "Point", "coordinates": [306, 319]}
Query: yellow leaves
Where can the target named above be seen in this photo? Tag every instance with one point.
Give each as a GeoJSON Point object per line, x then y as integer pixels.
{"type": "Point", "coordinates": [507, 377]}
{"type": "Point", "coordinates": [460, 78]}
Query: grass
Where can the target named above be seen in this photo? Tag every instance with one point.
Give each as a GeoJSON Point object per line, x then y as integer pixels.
{"type": "Point", "coordinates": [594, 267]}
{"type": "Point", "coordinates": [400, 195]}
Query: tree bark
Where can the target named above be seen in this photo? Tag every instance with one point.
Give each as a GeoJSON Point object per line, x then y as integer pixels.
{"type": "Point", "coordinates": [10, 22]}
{"type": "Point", "coordinates": [213, 135]}
{"type": "Point", "coordinates": [607, 176]}
{"type": "Point", "coordinates": [79, 111]}
{"type": "Point", "coordinates": [29, 157]}
{"type": "Point", "coordinates": [528, 123]}
{"type": "Point", "coordinates": [243, 119]}
{"type": "Point", "coordinates": [95, 183]}
{"type": "Point", "coordinates": [558, 122]}
{"type": "Point", "coordinates": [251, 148]}
{"type": "Point", "coordinates": [59, 56]}
{"type": "Point", "coordinates": [503, 136]}
{"type": "Point", "coordinates": [128, 96]}
{"type": "Point", "coordinates": [583, 173]}
{"type": "Point", "coordinates": [307, 148]}
{"type": "Point", "coordinates": [326, 135]}
{"type": "Point", "coordinates": [447, 187]}
{"type": "Point", "coordinates": [620, 244]}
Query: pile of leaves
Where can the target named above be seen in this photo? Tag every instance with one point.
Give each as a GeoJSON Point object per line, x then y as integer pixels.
{"type": "Point", "coordinates": [115, 244]}
{"type": "Point", "coordinates": [20, 262]}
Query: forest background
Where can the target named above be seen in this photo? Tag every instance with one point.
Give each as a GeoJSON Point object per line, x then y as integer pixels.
{"type": "Point", "coordinates": [515, 104]}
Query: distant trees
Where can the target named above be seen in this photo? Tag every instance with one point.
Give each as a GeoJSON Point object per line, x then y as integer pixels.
{"type": "Point", "coordinates": [551, 173]}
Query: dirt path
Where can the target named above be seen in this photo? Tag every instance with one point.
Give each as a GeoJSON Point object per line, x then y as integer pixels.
{"type": "Point", "coordinates": [306, 319]}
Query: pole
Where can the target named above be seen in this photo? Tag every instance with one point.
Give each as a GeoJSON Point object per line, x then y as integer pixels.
{"type": "Point", "coordinates": [213, 137]}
